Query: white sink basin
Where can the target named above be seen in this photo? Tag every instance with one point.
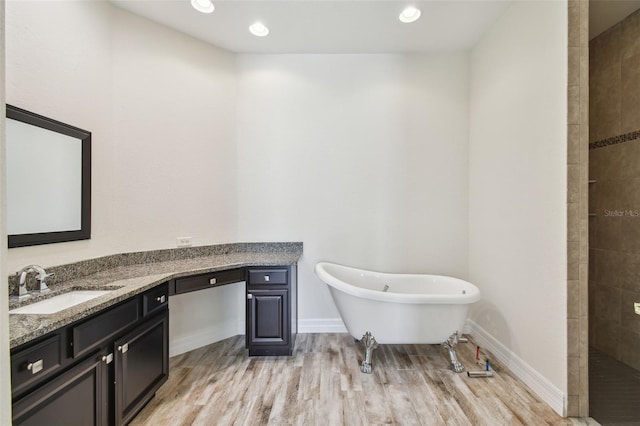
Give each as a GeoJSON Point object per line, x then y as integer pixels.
{"type": "Point", "coordinates": [60, 302]}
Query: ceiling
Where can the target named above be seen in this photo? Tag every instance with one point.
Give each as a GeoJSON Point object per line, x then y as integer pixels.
{"type": "Point", "coordinates": [603, 14]}
{"type": "Point", "coordinates": [347, 26]}
{"type": "Point", "coordinates": [327, 26]}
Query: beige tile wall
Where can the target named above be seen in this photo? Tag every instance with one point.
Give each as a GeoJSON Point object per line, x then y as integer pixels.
{"type": "Point", "coordinates": [614, 68]}
{"type": "Point", "coordinates": [577, 208]}
{"type": "Point", "coordinates": [614, 197]}
{"type": "Point", "coordinates": [614, 249]}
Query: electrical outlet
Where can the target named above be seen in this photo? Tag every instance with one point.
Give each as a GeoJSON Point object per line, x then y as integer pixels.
{"type": "Point", "coordinates": [184, 241]}
{"type": "Point", "coordinates": [636, 308]}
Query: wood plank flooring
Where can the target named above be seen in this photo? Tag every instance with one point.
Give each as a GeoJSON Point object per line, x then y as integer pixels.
{"type": "Point", "coordinates": [321, 384]}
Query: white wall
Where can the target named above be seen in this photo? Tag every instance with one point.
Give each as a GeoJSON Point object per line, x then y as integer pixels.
{"type": "Point", "coordinates": [173, 147]}
{"type": "Point", "coordinates": [362, 157]}
{"type": "Point", "coordinates": [517, 207]}
{"type": "Point", "coordinates": [53, 71]}
{"type": "Point", "coordinates": [206, 316]}
{"type": "Point", "coordinates": [5, 375]}
{"type": "Point", "coordinates": [161, 109]}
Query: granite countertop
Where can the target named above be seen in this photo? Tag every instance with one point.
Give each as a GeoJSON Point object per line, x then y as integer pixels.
{"type": "Point", "coordinates": [127, 281]}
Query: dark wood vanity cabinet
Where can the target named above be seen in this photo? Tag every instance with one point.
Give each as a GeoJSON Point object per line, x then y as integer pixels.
{"type": "Point", "coordinates": [109, 366]}
{"type": "Point", "coordinates": [103, 369]}
{"type": "Point", "coordinates": [79, 396]}
{"type": "Point", "coordinates": [271, 310]}
{"type": "Point", "coordinates": [141, 366]}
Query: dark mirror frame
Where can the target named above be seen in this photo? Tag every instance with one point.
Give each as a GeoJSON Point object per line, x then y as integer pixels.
{"type": "Point", "coordinates": [84, 233]}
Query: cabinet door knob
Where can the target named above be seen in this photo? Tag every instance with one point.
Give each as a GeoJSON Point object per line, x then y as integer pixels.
{"type": "Point", "coordinates": [213, 281]}
{"type": "Point", "coordinates": [35, 367]}
{"type": "Point", "coordinates": [249, 296]}
{"type": "Point", "coordinates": [107, 358]}
{"type": "Point", "coordinates": [124, 348]}
{"type": "Point", "coordinates": [160, 299]}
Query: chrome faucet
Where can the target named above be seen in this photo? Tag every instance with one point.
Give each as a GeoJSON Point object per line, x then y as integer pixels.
{"type": "Point", "coordinates": [41, 277]}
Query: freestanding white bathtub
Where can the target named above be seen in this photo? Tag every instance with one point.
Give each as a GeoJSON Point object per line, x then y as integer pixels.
{"type": "Point", "coordinates": [413, 309]}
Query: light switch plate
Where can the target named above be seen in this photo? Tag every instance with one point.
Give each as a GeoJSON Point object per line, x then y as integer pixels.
{"type": "Point", "coordinates": [636, 308]}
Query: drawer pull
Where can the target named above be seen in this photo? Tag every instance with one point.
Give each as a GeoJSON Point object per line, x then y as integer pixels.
{"type": "Point", "coordinates": [213, 281]}
{"type": "Point", "coordinates": [107, 358]}
{"type": "Point", "coordinates": [35, 367]}
{"type": "Point", "coordinates": [124, 348]}
{"type": "Point", "coordinates": [161, 299]}
{"type": "Point", "coordinates": [266, 278]}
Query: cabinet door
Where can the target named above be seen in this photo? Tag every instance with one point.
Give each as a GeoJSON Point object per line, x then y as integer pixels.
{"type": "Point", "coordinates": [78, 397]}
{"type": "Point", "coordinates": [141, 366]}
{"type": "Point", "coordinates": [267, 317]}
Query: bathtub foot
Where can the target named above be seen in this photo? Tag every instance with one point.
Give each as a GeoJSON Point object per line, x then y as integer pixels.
{"type": "Point", "coordinates": [370, 344]}
{"type": "Point", "coordinates": [451, 344]}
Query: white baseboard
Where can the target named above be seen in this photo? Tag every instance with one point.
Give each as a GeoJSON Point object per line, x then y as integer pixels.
{"type": "Point", "coordinates": [467, 328]}
{"type": "Point", "coordinates": [228, 329]}
{"type": "Point", "coordinates": [546, 390]}
{"type": "Point", "coordinates": [205, 337]}
{"type": "Point", "coordinates": [321, 325]}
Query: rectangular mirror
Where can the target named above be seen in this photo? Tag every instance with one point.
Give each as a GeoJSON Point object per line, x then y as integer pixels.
{"type": "Point", "coordinates": [48, 180]}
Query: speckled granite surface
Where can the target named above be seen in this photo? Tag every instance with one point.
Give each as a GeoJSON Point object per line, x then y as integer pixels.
{"type": "Point", "coordinates": [129, 274]}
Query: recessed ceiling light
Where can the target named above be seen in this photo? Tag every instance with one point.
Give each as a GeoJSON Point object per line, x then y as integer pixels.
{"type": "Point", "coordinates": [204, 6]}
{"type": "Point", "coordinates": [409, 14]}
{"type": "Point", "coordinates": [258, 29]}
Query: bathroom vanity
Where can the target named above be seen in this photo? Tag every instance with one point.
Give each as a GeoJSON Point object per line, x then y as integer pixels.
{"type": "Point", "coordinates": [100, 362]}
{"type": "Point", "coordinates": [270, 311]}
{"type": "Point", "coordinates": [103, 369]}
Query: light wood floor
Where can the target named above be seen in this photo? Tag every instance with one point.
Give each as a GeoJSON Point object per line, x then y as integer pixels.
{"type": "Point", "coordinates": [321, 384]}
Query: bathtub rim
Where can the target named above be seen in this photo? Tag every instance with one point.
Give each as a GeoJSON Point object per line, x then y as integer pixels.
{"type": "Point", "coordinates": [472, 291]}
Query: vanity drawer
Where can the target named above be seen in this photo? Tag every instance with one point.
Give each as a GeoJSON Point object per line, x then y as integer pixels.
{"type": "Point", "coordinates": [99, 329]}
{"type": "Point", "coordinates": [155, 299]}
{"type": "Point", "coordinates": [30, 364]}
{"type": "Point", "coordinates": [268, 276]}
{"type": "Point", "coordinates": [213, 279]}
